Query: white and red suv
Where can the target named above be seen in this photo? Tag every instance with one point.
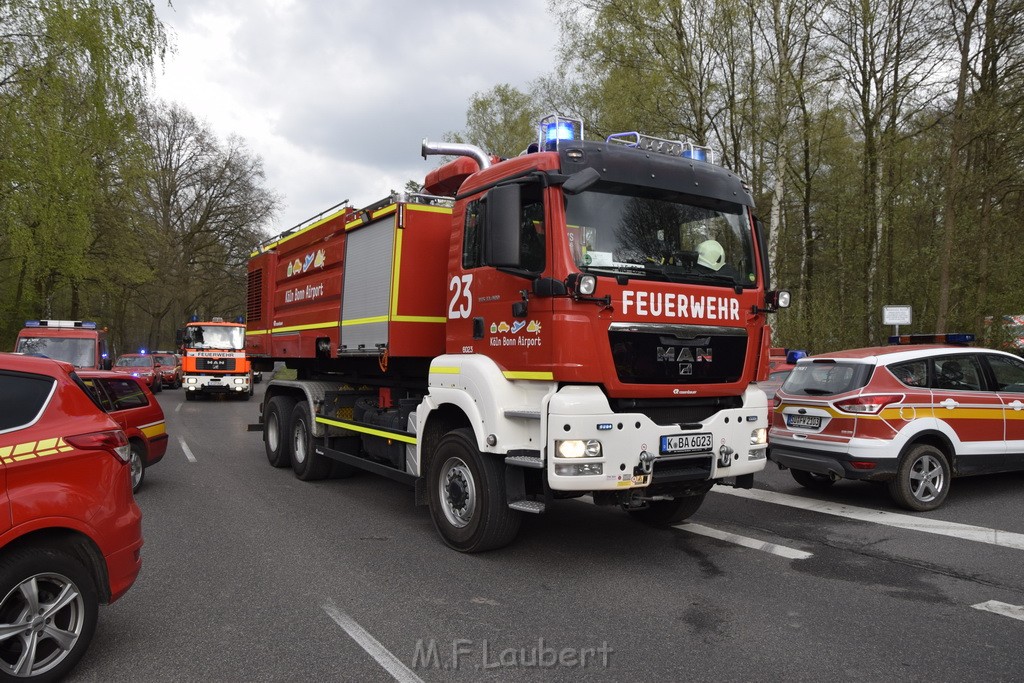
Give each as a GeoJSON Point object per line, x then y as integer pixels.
{"type": "Point", "coordinates": [913, 416]}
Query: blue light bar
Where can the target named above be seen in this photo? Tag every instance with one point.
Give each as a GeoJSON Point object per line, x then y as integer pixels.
{"type": "Point", "coordinates": [32, 323]}
{"type": "Point", "coordinates": [793, 356]}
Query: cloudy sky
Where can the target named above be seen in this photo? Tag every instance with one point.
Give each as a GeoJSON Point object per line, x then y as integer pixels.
{"type": "Point", "coordinates": [336, 95]}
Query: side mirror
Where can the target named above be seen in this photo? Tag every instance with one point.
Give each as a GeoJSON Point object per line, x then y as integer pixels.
{"type": "Point", "coordinates": [179, 337]}
{"type": "Point", "coordinates": [501, 222]}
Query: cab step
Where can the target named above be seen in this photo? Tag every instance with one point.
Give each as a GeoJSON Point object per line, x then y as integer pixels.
{"type": "Point", "coordinates": [533, 506]}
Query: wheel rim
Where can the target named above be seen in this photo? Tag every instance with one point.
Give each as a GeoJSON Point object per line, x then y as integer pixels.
{"type": "Point", "coordinates": [927, 479]}
{"type": "Point", "coordinates": [299, 442]}
{"type": "Point", "coordinates": [136, 464]}
{"type": "Point", "coordinates": [41, 620]}
{"type": "Point", "coordinates": [273, 432]}
{"type": "Point", "coordinates": [457, 492]}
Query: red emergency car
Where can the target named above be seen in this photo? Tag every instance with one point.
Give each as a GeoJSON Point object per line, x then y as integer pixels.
{"type": "Point", "coordinates": [141, 365]}
{"type": "Point", "coordinates": [70, 531]}
{"type": "Point", "coordinates": [129, 401]}
{"type": "Point", "coordinates": [913, 416]}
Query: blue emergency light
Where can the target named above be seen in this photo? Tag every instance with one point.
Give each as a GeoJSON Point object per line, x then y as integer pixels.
{"type": "Point", "coordinates": [951, 338]}
{"type": "Point", "coordinates": [559, 130]}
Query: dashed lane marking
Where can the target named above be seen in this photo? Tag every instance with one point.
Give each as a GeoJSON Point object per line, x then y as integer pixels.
{"type": "Point", "coordinates": [1002, 609]}
{"type": "Point", "coordinates": [391, 663]}
{"type": "Point", "coordinates": [746, 542]}
{"type": "Point", "coordinates": [968, 532]}
{"type": "Point", "coordinates": [188, 452]}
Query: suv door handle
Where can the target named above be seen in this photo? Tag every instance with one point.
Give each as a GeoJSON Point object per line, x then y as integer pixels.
{"type": "Point", "coordinates": [949, 403]}
{"type": "Point", "coordinates": [1016, 404]}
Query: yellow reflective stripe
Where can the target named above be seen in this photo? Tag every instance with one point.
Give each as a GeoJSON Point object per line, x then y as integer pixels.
{"type": "Point", "coordinates": [33, 449]}
{"type": "Point", "coordinates": [418, 319]}
{"type": "Point", "coordinates": [155, 429]}
{"type": "Point", "coordinates": [256, 332]}
{"type": "Point", "coordinates": [442, 370]}
{"type": "Point", "coordinates": [364, 321]}
{"type": "Point", "coordinates": [367, 430]}
{"type": "Point", "coordinates": [271, 245]}
{"type": "Point", "coordinates": [428, 209]}
{"type": "Point", "coordinates": [379, 213]}
{"type": "Point", "coordinates": [299, 328]}
{"type": "Point", "coordinates": [513, 374]}
{"type": "Point", "coordinates": [395, 271]}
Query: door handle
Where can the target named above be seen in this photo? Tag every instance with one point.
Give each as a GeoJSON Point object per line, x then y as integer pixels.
{"type": "Point", "coordinates": [949, 403]}
{"type": "Point", "coordinates": [1016, 404]}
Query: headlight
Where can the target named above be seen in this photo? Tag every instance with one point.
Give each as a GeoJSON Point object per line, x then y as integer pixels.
{"type": "Point", "coordinates": [759, 437]}
{"type": "Point", "coordinates": [578, 448]}
{"type": "Point", "coordinates": [191, 380]}
{"type": "Point", "coordinates": [239, 380]}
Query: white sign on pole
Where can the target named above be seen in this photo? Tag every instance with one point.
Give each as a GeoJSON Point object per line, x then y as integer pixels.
{"type": "Point", "coordinates": [897, 315]}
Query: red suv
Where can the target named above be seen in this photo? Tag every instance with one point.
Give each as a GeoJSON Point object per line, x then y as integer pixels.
{"type": "Point", "coordinates": [70, 531]}
{"type": "Point", "coordinates": [133, 405]}
{"type": "Point", "coordinates": [170, 368]}
{"type": "Point", "coordinates": [912, 416]}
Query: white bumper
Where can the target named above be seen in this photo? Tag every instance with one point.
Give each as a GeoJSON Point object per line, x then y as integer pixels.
{"type": "Point", "coordinates": [216, 383]}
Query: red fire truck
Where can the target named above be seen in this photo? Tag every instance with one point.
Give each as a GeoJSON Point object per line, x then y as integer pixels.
{"type": "Point", "coordinates": [82, 343]}
{"type": "Point", "coordinates": [586, 318]}
{"type": "Point", "coordinates": [213, 359]}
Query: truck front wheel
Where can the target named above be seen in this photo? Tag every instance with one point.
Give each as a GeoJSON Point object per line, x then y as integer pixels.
{"type": "Point", "coordinates": [662, 513]}
{"type": "Point", "coordinates": [307, 465]}
{"type": "Point", "coordinates": [467, 496]}
{"type": "Point", "coordinates": [275, 430]}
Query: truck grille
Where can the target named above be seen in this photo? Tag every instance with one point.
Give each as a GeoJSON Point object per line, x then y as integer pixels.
{"type": "Point", "coordinates": [677, 354]}
{"type": "Point", "coordinates": [221, 364]}
{"type": "Point", "coordinates": [676, 411]}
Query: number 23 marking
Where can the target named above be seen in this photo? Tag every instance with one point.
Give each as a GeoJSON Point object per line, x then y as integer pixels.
{"type": "Point", "coordinates": [461, 304]}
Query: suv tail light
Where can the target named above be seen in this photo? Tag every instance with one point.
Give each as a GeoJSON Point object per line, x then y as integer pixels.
{"type": "Point", "coordinates": [114, 441]}
{"type": "Point", "coordinates": [867, 405]}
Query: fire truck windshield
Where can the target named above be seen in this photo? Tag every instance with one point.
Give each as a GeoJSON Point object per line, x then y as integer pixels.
{"type": "Point", "coordinates": [654, 234]}
{"type": "Point", "coordinates": [215, 337]}
{"type": "Point", "coordinates": [79, 352]}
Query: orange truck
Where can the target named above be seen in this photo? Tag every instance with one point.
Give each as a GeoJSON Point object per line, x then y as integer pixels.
{"type": "Point", "coordinates": [82, 343]}
{"type": "Point", "coordinates": [587, 318]}
{"type": "Point", "coordinates": [213, 359]}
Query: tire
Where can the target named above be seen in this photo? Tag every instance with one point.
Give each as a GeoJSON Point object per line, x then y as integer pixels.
{"type": "Point", "coordinates": [177, 381]}
{"type": "Point", "coordinates": [922, 480]}
{"type": "Point", "coordinates": [812, 480]}
{"type": "Point", "coordinates": [137, 460]}
{"type": "Point", "coordinates": [275, 430]}
{"type": "Point", "coordinates": [64, 593]}
{"type": "Point", "coordinates": [307, 465]}
{"type": "Point", "coordinates": [158, 385]}
{"type": "Point", "coordinates": [467, 496]}
{"type": "Point", "coordinates": [662, 513]}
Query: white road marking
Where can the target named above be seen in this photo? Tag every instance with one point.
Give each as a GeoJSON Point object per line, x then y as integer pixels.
{"type": "Point", "coordinates": [968, 532]}
{"type": "Point", "coordinates": [1001, 608]}
{"type": "Point", "coordinates": [746, 542]}
{"type": "Point", "coordinates": [188, 453]}
{"type": "Point", "coordinates": [178, 407]}
{"type": "Point", "coordinates": [391, 663]}
{"type": "Point", "coordinates": [773, 548]}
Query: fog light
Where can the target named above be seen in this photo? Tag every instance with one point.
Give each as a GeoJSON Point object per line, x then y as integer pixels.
{"type": "Point", "coordinates": [576, 469]}
{"type": "Point", "coordinates": [577, 448]}
{"type": "Point", "coordinates": [759, 437]}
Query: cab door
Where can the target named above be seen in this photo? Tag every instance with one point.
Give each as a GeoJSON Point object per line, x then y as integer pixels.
{"type": "Point", "coordinates": [1008, 376]}
{"type": "Point", "coordinates": [961, 398]}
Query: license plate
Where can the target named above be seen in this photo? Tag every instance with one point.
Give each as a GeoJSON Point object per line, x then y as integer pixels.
{"type": "Point", "coordinates": [687, 443]}
{"type": "Point", "coordinates": [805, 421]}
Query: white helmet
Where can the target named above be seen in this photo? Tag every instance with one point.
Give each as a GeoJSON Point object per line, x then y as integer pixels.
{"type": "Point", "coordinates": [710, 255]}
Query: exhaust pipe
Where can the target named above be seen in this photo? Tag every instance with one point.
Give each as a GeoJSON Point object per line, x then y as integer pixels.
{"type": "Point", "coordinates": [456, 149]}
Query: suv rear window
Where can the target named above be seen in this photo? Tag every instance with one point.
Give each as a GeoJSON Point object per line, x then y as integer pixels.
{"type": "Point", "coordinates": [22, 399]}
{"type": "Point", "coordinates": [826, 377]}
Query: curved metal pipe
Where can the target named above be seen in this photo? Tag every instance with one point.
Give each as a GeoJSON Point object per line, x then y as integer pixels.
{"type": "Point", "coordinates": [457, 149]}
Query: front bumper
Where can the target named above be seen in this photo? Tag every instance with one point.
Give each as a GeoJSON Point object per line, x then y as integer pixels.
{"type": "Point", "coordinates": [631, 455]}
{"type": "Point", "coordinates": [213, 384]}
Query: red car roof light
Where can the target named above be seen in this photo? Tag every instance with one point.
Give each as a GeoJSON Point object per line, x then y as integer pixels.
{"type": "Point", "coordinates": [114, 441]}
{"type": "Point", "coordinates": [868, 405]}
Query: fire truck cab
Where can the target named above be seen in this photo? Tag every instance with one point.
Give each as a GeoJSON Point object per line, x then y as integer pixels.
{"type": "Point", "coordinates": [82, 343]}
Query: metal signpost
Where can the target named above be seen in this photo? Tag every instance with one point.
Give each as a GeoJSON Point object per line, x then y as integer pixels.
{"type": "Point", "coordinates": [896, 316]}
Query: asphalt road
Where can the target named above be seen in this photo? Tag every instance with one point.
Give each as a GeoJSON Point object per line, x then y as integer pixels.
{"type": "Point", "coordinates": [252, 575]}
